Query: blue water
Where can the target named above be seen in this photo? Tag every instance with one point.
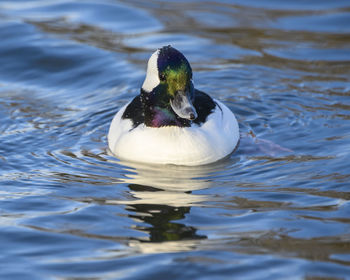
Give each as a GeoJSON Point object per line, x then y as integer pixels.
{"type": "Point", "coordinates": [278, 208]}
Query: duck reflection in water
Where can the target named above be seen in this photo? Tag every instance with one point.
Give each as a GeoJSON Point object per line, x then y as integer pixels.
{"type": "Point", "coordinates": [163, 219]}
{"type": "Point", "coordinates": [162, 196]}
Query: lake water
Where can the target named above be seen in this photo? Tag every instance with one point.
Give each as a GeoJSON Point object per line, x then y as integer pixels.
{"type": "Point", "coordinates": [278, 208]}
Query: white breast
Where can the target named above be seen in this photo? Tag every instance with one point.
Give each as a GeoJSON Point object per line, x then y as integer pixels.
{"type": "Point", "coordinates": [195, 145]}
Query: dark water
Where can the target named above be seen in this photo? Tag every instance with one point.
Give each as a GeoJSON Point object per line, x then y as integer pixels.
{"type": "Point", "coordinates": [71, 211]}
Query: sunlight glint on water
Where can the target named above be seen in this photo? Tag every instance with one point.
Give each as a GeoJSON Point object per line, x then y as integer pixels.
{"type": "Point", "coordinates": [278, 208]}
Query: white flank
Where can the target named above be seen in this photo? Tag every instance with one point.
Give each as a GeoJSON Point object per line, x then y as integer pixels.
{"type": "Point", "coordinates": [196, 145]}
{"type": "Point", "coordinates": [152, 75]}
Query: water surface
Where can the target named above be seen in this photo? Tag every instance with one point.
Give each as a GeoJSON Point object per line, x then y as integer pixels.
{"type": "Point", "coordinates": [70, 210]}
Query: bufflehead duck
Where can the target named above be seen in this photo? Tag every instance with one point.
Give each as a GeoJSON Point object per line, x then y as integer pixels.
{"type": "Point", "coordinates": [171, 122]}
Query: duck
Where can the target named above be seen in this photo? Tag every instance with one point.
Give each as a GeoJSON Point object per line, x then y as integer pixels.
{"type": "Point", "coordinates": [170, 121]}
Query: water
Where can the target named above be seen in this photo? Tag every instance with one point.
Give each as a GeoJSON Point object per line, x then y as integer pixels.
{"type": "Point", "coordinates": [69, 210]}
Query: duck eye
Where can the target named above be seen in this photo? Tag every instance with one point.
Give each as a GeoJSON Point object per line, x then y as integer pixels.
{"type": "Point", "coordinates": [162, 77]}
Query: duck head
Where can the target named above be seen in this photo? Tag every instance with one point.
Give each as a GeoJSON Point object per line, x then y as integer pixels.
{"type": "Point", "coordinates": [168, 87]}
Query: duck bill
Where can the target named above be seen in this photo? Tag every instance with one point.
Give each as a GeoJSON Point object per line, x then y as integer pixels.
{"type": "Point", "coordinates": [182, 105]}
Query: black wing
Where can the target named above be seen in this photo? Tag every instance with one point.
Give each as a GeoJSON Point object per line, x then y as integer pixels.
{"type": "Point", "coordinates": [134, 112]}
{"type": "Point", "coordinates": [204, 105]}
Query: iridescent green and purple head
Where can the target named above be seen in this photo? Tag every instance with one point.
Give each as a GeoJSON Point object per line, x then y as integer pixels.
{"type": "Point", "coordinates": [168, 85]}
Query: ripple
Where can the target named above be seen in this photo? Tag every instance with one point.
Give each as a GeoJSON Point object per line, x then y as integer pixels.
{"type": "Point", "coordinates": [280, 203]}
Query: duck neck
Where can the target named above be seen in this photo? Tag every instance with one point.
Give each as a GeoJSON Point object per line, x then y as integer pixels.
{"type": "Point", "coordinates": [157, 110]}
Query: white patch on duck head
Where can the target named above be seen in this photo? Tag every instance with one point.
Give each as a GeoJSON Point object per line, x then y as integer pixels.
{"type": "Point", "coordinates": [152, 75]}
